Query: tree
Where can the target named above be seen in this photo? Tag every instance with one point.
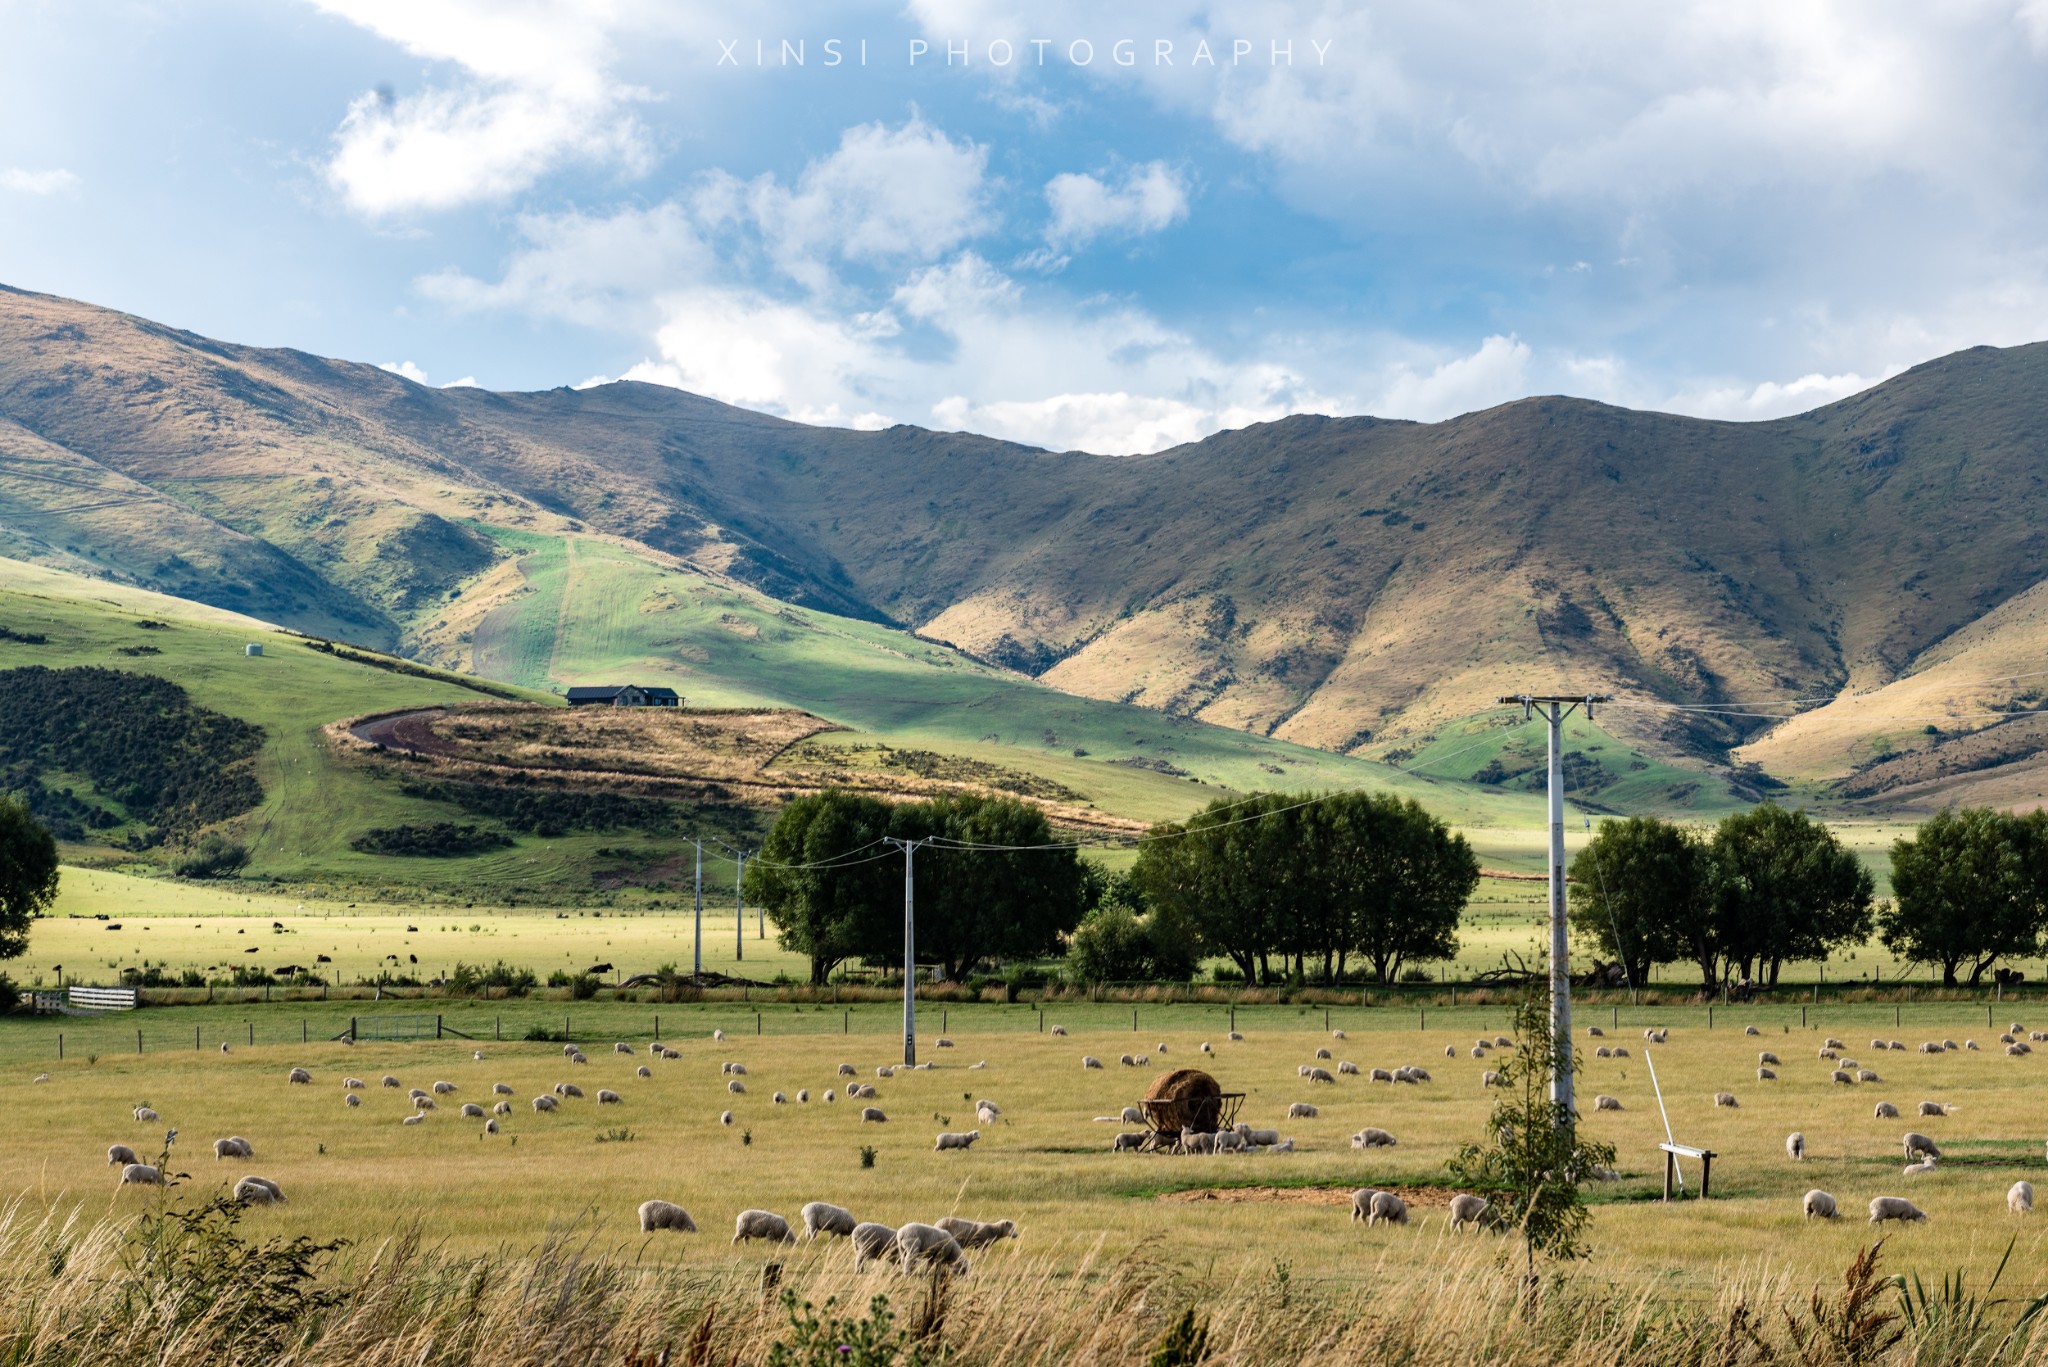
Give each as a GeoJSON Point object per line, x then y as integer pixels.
{"type": "Point", "coordinates": [823, 879]}
{"type": "Point", "coordinates": [1119, 940]}
{"type": "Point", "coordinates": [1784, 888]}
{"type": "Point", "coordinates": [1966, 892]}
{"type": "Point", "coordinates": [1402, 874]}
{"type": "Point", "coordinates": [1637, 894]}
{"type": "Point", "coordinates": [1016, 894]}
{"type": "Point", "coordinates": [1534, 1158]}
{"type": "Point", "coordinates": [28, 874]}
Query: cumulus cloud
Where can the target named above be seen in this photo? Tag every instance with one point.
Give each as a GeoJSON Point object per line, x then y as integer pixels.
{"type": "Point", "coordinates": [36, 182]}
{"type": "Point", "coordinates": [1772, 399]}
{"type": "Point", "coordinates": [1145, 199]}
{"type": "Point", "coordinates": [1493, 374]}
{"type": "Point", "coordinates": [404, 369]}
{"type": "Point", "coordinates": [598, 270]}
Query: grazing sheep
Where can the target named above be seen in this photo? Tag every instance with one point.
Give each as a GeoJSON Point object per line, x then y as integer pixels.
{"type": "Point", "coordinates": [1621, 1051]}
{"type": "Point", "coordinates": [1600, 1174]}
{"type": "Point", "coordinates": [1766, 1075]}
{"type": "Point", "coordinates": [1885, 1111]}
{"type": "Point", "coordinates": [1236, 1036]}
{"type": "Point", "coordinates": [258, 1191]}
{"type": "Point", "coordinates": [570, 1051]}
{"type": "Point", "coordinates": [1604, 1102]}
{"type": "Point", "coordinates": [501, 1089]}
{"type": "Point", "coordinates": [351, 1084]}
{"type": "Point", "coordinates": [1898, 1046]}
{"type": "Point", "coordinates": [1818, 1205]}
{"type": "Point", "coordinates": [848, 1070]}
{"type": "Point", "coordinates": [1090, 1061]}
{"type": "Point", "coordinates": [643, 1071]}
{"type": "Point", "coordinates": [1849, 1063]}
{"type": "Point", "coordinates": [1725, 1099]}
{"type": "Point", "coordinates": [830, 1096]}
{"type": "Point", "coordinates": [1658, 1036]}
{"type": "Point", "coordinates": [443, 1088]}
{"type": "Point", "coordinates": [1302, 1110]}
{"type": "Point", "coordinates": [390, 1081]}
{"type": "Point", "coordinates": [1205, 1047]}
{"type": "Point", "coordinates": [1058, 1030]}
{"type": "Point", "coordinates": [1933, 1108]}
{"type": "Point", "coordinates": [1921, 1168]}
{"type": "Point", "coordinates": [1490, 1078]}
{"type": "Point", "coordinates": [1917, 1144]}
{"type": "Point", "coordinates": [1191, 1142]}
{"type": "Point", "coordinates": [866, 1090]}
{"type": "Point", "coordinates": [670, 1053]}
{"type": "Point", "coordinates": [1372, 1138]}
{"type": "Point", "coordinates": [145, 1114]}
{"type": "Point", "coordinates": [490, 1126]}
{"type": "Point", "coordinates": [1751, 1030]}
{"type": "Point", "coordinates": [416, 1096]}
{"type": "Point", "coordinates": [472, 1111]}
{"type": "Point", "coordinates": [622, 1048]}
{"type": "Point", "coordinates": [417, 1117]}
{"type": "Point", "coordinates": [1970, 1044]}
{"type": "Point", "coordinates": [545, 1103]}
{"type": "Point", "coordinates": [568, 1089]}
{"type": "Point", "coordinates": [2006, 1039]}
{"type": "Point", "coordinates": [974, 1233]}
{"type": "Point", "coordinates": [1602, 1052]}
{"type": "Point", "coordinates": [1828, 1053]}
{"type": "Point", "coordinates": [944, 1043]}
{"type": "Point", "coordinates": [1595, 1031]}
{"type": "Point", "coordinates": [607, 1097]}
{"type": "Point", "coordinates": [822, 1217]}
{"type": "Point", "coordinates": [298, 1076]}
{"type": "Point", "coordinates": [870, 1240]}
{"type": "Point", "coordinates": [1795, 1146]}
{"type": "Point", "coordinates": [736, 1087]}
{"type": "Point", "coordinates": [1361, 1204]}
{"type": "Point", "coordinates": [1770, 1058]}
{"type": "Point", "coordinates": [931, 1246]}
{"type": "Point", "coordinates": [141, 1175]}
{"type": "Point", "coordinates": [665, 1215]}
{"type": "Point", "coordinates": [1467, 1209]}
{"type": "Point", "coordinates": [761, 1224]}
{"type": "Point", "coordinates": [1320, 1075]}
{"type": "Point", "coordinates": [873, 1114]}
{"type": "Point", "coordinates": [1259, 1137]}
{"type": "Point", "coordinates": [718, 1035]}
{"type": "Point", "coordinates": [950, 1140]}
{"type": "Point", "coordinates": [121, 1154]}
{"type": "Point", "coordinates": [1131, 1141]}
{"type": "Point", "coordinates": [2015, 1050]}
{"type": "Point", "coordinates": [1337, 1034]}
{"type": "Point", "coordinates": [502, 1108]}
{"type": "Point", "coordinates": [1126, 1061]}
{"type": "Point", "coordinates": [1450, 1051]}
{"type": "Point", "coordinates": [1865, 1075]}
{"type": "Point", "coordinates": [424, 1104]}
{"type": "Point", "coordinates": [778, 1099]}
{"type": "Point", "coordinates": [1884, 1208]}
{"type": "Point", "coordinates": [1842, 1077]}
{"type": "Point", "coordinates": [2019, 1198]}
{"type": "Point", "coordinates": [1929, 1048]}
{"type": "Point", "coordinates": [1389, 1207]}
{"type": "Point", "coordinates": [1833, 1044]}
{"type": "Point", "coordinates": [1132, 1115]}
{"type": "Point", "coordinates": [351, 1099]}
{"type": "Point", "coordinates": [1503, 1042]}
{"type": "Point", "coordinates": [725, 1118]}
{"type": "Point", "coordinates": [1415, 1074]}
{"type": "Point", "coordinates": [235, 1147]}
{"type": "Point", "coordinates": [1323, 1053]}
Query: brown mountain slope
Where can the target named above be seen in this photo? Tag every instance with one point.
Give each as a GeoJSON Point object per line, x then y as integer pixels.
{"type": "Point", "coordinates": [1340, 582]}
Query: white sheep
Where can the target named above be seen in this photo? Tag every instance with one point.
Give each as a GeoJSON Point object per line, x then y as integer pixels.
{"type": "Point", "coordinates": [803, 1096]}
{"type": "Point", "coordinates": [944, 1043]}
{"type": "Point", "coordinates": [725, 1118]}
{"type": "Point", "coordinates": [1258, 1138]}
{"type": "Point", "coordinates": [975, 1233]}
{"type": "Point", "coordinates": [490, 1126]}
{"type": "Point", "coordinates": [1921, 1168]}
{"type": "Point", "coordinates": [1323, 1054]}
{"type": "Point", "coordinates": [736, 1087]}
{"type": "Point", "coordinates": [643, 1071]}
{"type": "Point", "coordinates": [545, 1103]}
{"type": "Point", "coordinates": [416, 1096]}
{"type": "Point", "coordinates": [1193, 1142]}
{"type": "Point", "coordinates": [950, 1140]}
{"type": "Point", "coordinates": [501, 1108]}
{"type": "Point", "coordinates": [1917, 1144]}
{"type": "Point", "coordinates": [351, 1099]}
{"type": "Point", "coordinates": [1833, 1044]}
{"type": "Point", "coordinates": [930, 1246]}
{"type": "Point", "coordinates": [830, 1096]}
{"type": "Point", "coordinates": [665, 1215]}
{"type": "Point", "coordinates": [1371, 1137]}
{"type": "Point", "coordinates": [424, 1104]}
{"type": "Point", "coordinates": [1884, 1208]}
{"type": "Point", "coordinates": [2019, 1198]}
{"type": "Point", "coordinates": [737, 1069]}
{"type": "Point", "coordinates": [822, 1217]}
{"type": "Point", "coordinates": [873, 1115]}
{"type": "Point", "coordinates": [1132, 1115]}
{"type": "Point", "coordinates": [1933, 1108]}
{"type": "Point", "coordinates": [1827, 1053]}
{"type": "Point", "coordinates": [1841, 1078]}
{"type": "Point", "coordinates": [1725, 1099]}
{"type": "Point", "coordinates": [1090, 1061]}
{"type": "Point", "coordinates": [351, 1084]}
{"type": "Point", "coordinates": [1236, 1036]}
{"type": "Point", "coordinates": [1971, 1045]}
{"type": "Point", "coordinates": [1885, 1111]}
{"type": "Point", "coordinates": [761, 1224]}
{"type": "Point", "coordinates": [568, 1089]}
{"type": "Point", "coordinates": [120, 1155]}
{"type": "Point", "coordinates": [1361, 1204]}
{"type": "Point", "coordinates": [1467, 1209]}
{"type": "Point", "coordinates": [1058, 1030]}
{"type": "Point", "coordinates": [1898, 1046]}
{"type": "Point", "coordinates": [1865, 1075]}
{"type": "Point", "coordinates": [1766, 1075]}
{"type": "Point", "coordinates": [1130, 1141]}
{"type": "Point", "coordinates": [390, 1081]}
{"type": "Point", "coordinates": [1751, 1030]}
{"type": "Point", "coordinates": [885, 1071]}
{"type": "Point", "coordinates": [718, 1035]}
{"type": "Point", "coordinates": [1621, 1051]}
{"type": "Point", "coordinates": [299, 1076]}
{"type": "Point", "coordinates": [443, 1088]}
{"type": "Point", "coordinates": [1490, 1078]}
{"type": "Point", "coordinates": [472, 1111]}
{"type": "Point", "coordinates": [622, 1048]}
{"type": "Point", "coordinates": [1302, 1110]}
{"type": "Point", "coordinates": [1126, 1061]}
{"type": "Point", "coordinates": [1320, 1075]}
{"type": "Point", "coordinates": [146, 1114]}
{"type": "Point", "coordinates": [1205, 1047]}
{"type": "Point", "coordinates": [1818, 1205]}
{"type": "Point", "coordinates": [1604, 1102]}
{"type": "Point", "coordinates": [1347, 1068]}
{"type": "Point", "coordinates": [1795, 1146]}
{"type": "Point", "coordinates": [141, 1175]}
{"type": "Point", "coordinates": [1450, 1051]}
{"type": "Point", "coordinates": [233, 1147]}
{"type": "Point", "coordinates": [871, 1240]}
{"type": "Point", "coordinates": [417, 1117]}
{"type": "Point", "coordinates": [1602, 1052]}
{"type": "Point", "coordinates": [1770, 1058]}
{"type": "Point", "coordinates": [258, 1191]}
{"type": "Point", "coordinates": [778, 1099]}
{"type": "Point", "coordinates": [1389, 1207]}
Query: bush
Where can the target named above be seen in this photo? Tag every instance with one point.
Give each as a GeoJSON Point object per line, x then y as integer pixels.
{"type": "Point", "coordinates": [10, 997]}
{"type": "Point", "coordinates": [215, 856]}
{"type": "Point", "coordinates": [584, 987]}
{"type": "Point", "coordinates": [472, 980]}
{"type": "Point", "coordinates": [433, 840]}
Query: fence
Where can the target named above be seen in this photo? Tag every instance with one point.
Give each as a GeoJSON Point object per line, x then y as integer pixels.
{"type": "Point", "coordinates": [104, 998]}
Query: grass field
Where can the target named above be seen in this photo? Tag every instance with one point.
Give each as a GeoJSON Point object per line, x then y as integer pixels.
{"type": "Point", "coordinates": [359, 1173]}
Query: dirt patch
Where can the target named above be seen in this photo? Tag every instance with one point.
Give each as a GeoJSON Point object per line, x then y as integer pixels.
{"type": "Point", "coordinates": [1304, 1196]}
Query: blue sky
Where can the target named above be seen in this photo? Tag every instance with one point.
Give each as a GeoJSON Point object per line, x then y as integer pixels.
{"type": "Point", "coordinates": [1719, 207]}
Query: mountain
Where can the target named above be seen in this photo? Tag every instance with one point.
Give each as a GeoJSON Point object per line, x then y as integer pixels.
{"type": "Point", "coordinates": [1353, 585]}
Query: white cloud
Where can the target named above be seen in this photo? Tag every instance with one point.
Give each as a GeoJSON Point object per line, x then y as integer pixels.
{"type": "Point", "coordinates": [539, 93]}
{"type": "Point", "coordinates": [406, 369]}
{"type": "Point", "coordinates": [466, 382]}
{"type": "Point", "coordinates": [1772, 399]}
{"type": "Point", "coordinates": [1495, 373]}
{"type": "Point", "coordinates": [596, 270]}
{"type": "Point", "coordinates": [36, 182]}
{"type": "Point", "coordinates": [1147, 199]}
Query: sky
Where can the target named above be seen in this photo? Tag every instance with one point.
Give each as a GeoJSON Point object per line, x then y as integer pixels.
{"type": "Point", "coordinates": [1104, 227]}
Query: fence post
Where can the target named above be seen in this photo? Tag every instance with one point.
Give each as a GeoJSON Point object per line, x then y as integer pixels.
{"type": "Point", "coordinates": [60, 1046]}
{"type": "Point", "coordinates": [1134, 1020]}
{"type": "Point", "coordinates": [657, 1025]}
{"type": "Point", "coordinates": [497, 1027]}
{"type": "Point", "coordinates": [195, 1037]}
{"type": "Point", "coordinates": [302, 1031]}
{"type": "Point", "coordinates": [1326, 1018]}
{"type": "Point", "coordinates": [845, 1019]}
{"type": "Point", "coordinates": [252, 1033]}
{"type": "Point", "coordinates": [437, 1025]}
{"type": "Point", "coordinates": [351, 1029]}
{"type": "Point", "coordinates": [757, 1024]}
{"type": "Point", "coordinates": [945, 1018]}
{"type": "Point", "coordinates": [1802, 1018]}
{"type": "Point", "coordinates": [1616, 1023]}
{"type": "Point", "coordinates": [1895, 1015]}
{"type": "Point", "coordinates": [1710, 1017]}
{"type": "Point", "coordinates": [138, 1041]}
{"type": "Point", "coordinates": [1233, 1018]}
{"type": "Point", "coordinates": [1425, 1019]}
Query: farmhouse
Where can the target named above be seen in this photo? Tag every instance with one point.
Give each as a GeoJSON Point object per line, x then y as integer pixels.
{"type": "Point", "coordinates": [624, 695]}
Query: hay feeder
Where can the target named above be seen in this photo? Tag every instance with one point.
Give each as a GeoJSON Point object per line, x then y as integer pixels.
{"type": "Point", "coordinates": [1188, 1098]}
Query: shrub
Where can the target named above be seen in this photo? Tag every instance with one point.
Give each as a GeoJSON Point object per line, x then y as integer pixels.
{"type": "Point", "coordinates": [584, 987]}
{"type": "Point", "coordinates": [433, 840]}
{"type": "Point", "coordinates": [215, 856]}
{"type": "Point", "coordinates": [10, 996]}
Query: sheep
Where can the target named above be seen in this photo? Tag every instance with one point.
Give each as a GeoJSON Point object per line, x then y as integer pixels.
{"type": "Point", "coordinates": [1921, 1168]}
{"type": "Point", "coordinates": [1828, 1053]}
{"type": "Point", "coordinates": [424, 1104]}
{"type": "Point", "coordinates": [1884, 1208]}
{"type": "Point", "coordinates": [351, 1099]}
{"type": "Point", "coordinates": [822, 1217]}
{"type": "Point", "coordinates": [1850, 1064]}
{"type": "Point", "coordinates": [490, 1126]}
{"type": "Point", "coordinates": [931, 1246]}
{"type": "Point", "coordinates": [1415, 1074]}
{"type": "Point", "coordinates": [974, 1233]}
{"type": "Point", "coordinates": [351, 1084]}
{"type": "Point", "coordinates": [870, 1240]}
{"type": "Point", "coordinates": [1865, 1075]}
{"type": "Point", "coordinates": [545, 1103]}
{"type": "Point", "coordinates": [1595, 1032]}
{"type": "Point", "coordinates": [736, 1087]}
{"type": "Point", "coordinates": [1795, 1146]}
{"type": "Point", "coordinates": [502, 1108]}
{"type": "Point", "coordinates": [1361, 1204]}
{"type": "Point", "coordinates": [1133, 1115]}
{"type": "Point", "coordinates": [1337, 1034]}
{"type": "Point", "coordinates": [1917, 1144]}
{"type": "Point", "coordinates": [1058, 1030]}
{"type": "Point", "coordinates": [2019, 1198]}
{"type": "Point", "coordinates": [738, 1069]}
{"type": "Point", "coordinates": [1602, 1052]}
{"type": "Point", "coordinates": [1933, 1108]}
{"type": "Point", "coordinates": [1600, 1174]}
{"type": "Point", "coordinates": [725, 1118]}
{"type": "Point", "coordinates": [1604, 1102]}
{"type": "Point", "coordinates": [2006, 1039]}
{"type": "Point", "coordinates": [943, 1043]}
{"type": "Point", "coordinates": [2015, 1050]}
{"type": "Point", "coordinates": [987, 1115]}
{"type": "Point", "coordinates": [1503, 1042]}
{"type": "Point", "coordinates": [1236, 1037]}
{"type": "Point", "coordinates": [1926, 1047]}
{"type": "Point", "coordinates": [234, 1147]}
{"type": "Point", "coordinates": [1450, 1051]}
{"type": "Point", "coordinates": [671, 1053]}
{"type": "Point", "coordinates": [718, 1035]}
{"type": "Point", "coordinates": [1205, 1047]}
{"type": "Point", "coordinates": [1320, 1075]}
{"type": "Point", "coordinates": [1885, 1111]}
{"type": "Point", "coordinates": [830, 1096]}
{"type": "Point", "coordinates": [1842, 1078]}
{"type": "Point", "coordinates": [1621, 1051]}
{"type": "Point", "coordinates": [865, 1090]}
{"type": "Point", "coordinates": [390, 1081]}
{"type": "Point", "coordinates": [1090, 1061]}
{"type": "Point", "coordinates": [258, 1191]}
{"type": "Point", "coordinates": [1657, 1036]}
{"type": "Point", "coordinates": [761, 1224]}
{"type": "Point", "coordinates": [1767, 1057]}
{"type": "Point", "coordinates": [1833, 1044]}
{"type": "Point", "coordinates": [472, 1111]}
{"type": "Point", "coordinates": [443, 1088]}
{"type": "Point", "coordinates": [1258, 1137]}
{"type": "Point", "coordinates": [1751, 1030]}
{"type": "Point", "coordinates": [141, 1175]}
{"type": "Point", "coordinates": [1898, 1046]}
{"type": "Point", "coordinates": [121, 1154]}
{"type": "Point", "coordinates": [146, 1115]}
{"type": "Point", "coordinates": [570, 1051]}
{"type": "Point", "coordinates": [1323, 1054]}
{"type": "Point", "coordinates": [1467, 1209]}
{"type": "Point", "coordinates": [1970, 1045]}
{"type": "Point", "coordinates": [568, 1089]}
{"type": "Point", "coordinates": [1766, 1075]}
{"type": "Point", "coordinates": [1818, 1205]}
{"type": "Point", "coordinates": [885, 1070]}
{"type": "Point", "coordinates": [778, 1099]}
{"type": "Point", "coordinates": [1302, 1110]}
{"type": "Point", "coordinates": [1192, 1142]}
{"type": "Point", "coordinates": [873, 1115]}
{"type": "Point", "coordinates": [416, 1096]}
{"type": "Point", "coordinates": [1131, 1141]}
{"type": "Point", "coordinates": [665, 1215]}
{"type": "Point", "coordinates": [1490, 1078]}
{"type": "Point", "coordinates": [1126, 1061]}
{"type": "Point", "coordinates": [643, 1071]}
{"type": "Point", "coordinates": [299, 1077]}
{"type": "Point", "coordinates": [1725, 1099]}
{"type": "Point", "coordinates": [415, 1118]}
{"type": "Point", "coordinates": [1389, 1207]}
{"type": "Point", "coordinates": [950, 1140]}
{"type": "Point", "coordinates": [1372, 1137]}
{"type": "Point", "coordinates": [622, 1048]}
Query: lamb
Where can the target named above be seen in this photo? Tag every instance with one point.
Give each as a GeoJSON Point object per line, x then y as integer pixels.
{"type": "Point", "coordinates": [1921, 1168]}
{"type": "Point", "coordinates": [1090, 1061]}
{"type": "Point", "coordinates": [258, 1191]}
{"type": "Point", "coordinates": [622, 1048]}
{"type": "Point", "coordinates": [1933, 1108]}
{"type": "Point", "coordinates": [2019, 1198]}
{"type": "Point", "coordinates": [545, 1103]}
{"type": "Point", "coordinates": [1131, 1141]}
{"type": "Point", "coordinates": [1389, 1207]}
{"type": "Point", "coordinates": [873, 1115]}
{"type": "Point", "coordinates": [1320, 1075]}
{"type": "Point", "coordinates": [1230, 1141]}
{"type": "Point", "coordinates": [1917, 1144]}
{"type": "Point", "coordinates": [950, 1140]}
{"type": "Point", "coordinates": [987, 1115]}
{"type": "Point", "coordinates": [1885, 1111]}
{"type": "Point", "coordinates": [414, 1119]}
{"type": "Point", "coordinates": [234, 1147]}
{"type": "Point", "coordinates": [1372, 1137]}
{"type": "Point", "coordinates": [1258, 1137]}
{"type": "Point", "coordinates": [1725, 1099]}
{"type": "Point", "coordinates": [1770, 1058]}
{"type": "Point", "coordinates": [443, 1088]}
{"type": "Point", "coordinates": [1361, 1204]}
{"type": "Point", "coordinates": [665, 1215]}
{"type": "Point", "coordinates": [943, 1043]}
{"type": "Point", "coordinates": [299, 1077]}
{"type": "Point", "coordinates": [761, 1224]}
{"type": "Point", "coordinates": [141, 1175]}
{"type": "Point", "coordinates": [1898, 1208]}
{"type": "Point", "coordinates": [885, 1071]}
{"type": "Point", "coordinates": [1192, 1142]}
{"type": "Point", "coordinates": [1302, 1110]}
{"type": "Point", "coordinates": [146, 1115]}
{"type": "Point", "coordinates": [1766, 1075]}
{"type": "Point", "coordinates": [1132, 1116]}
{"type": "Point", "coordinates": [1818, 1205]}
{"type": "Point", "coordinates": [870, 1240]}
{"type": "Point", "coordinates": [929, 1245]}
{"type": "Point", "coordinates": [1795, 1146]}
{"type": "Point", "coordinates": [1467, 1209]}
{"type": "Point", "coordinates": [974, 1233]}
{"type": "Point", "coordinates": [1604, 1102]}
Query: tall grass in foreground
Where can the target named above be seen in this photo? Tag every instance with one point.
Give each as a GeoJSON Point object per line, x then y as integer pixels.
{"type": "Point", "coordinates": [186, 1285]}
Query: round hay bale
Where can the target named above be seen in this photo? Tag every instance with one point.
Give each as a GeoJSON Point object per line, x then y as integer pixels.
{"type": "Point", "coordinates": [1186, 1098]}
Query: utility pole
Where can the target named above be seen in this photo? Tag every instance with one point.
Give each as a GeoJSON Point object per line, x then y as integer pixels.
{"type": "Point", "coordinates": [909, 848]}
{"type": "Point", "coordinates": [1555, 709]}
{"type": "Point", "coordinates": [699, 970]}
{"type": "Point", "coordinates": [739, 927]}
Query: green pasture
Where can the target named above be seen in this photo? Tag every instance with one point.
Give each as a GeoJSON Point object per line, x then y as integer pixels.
{"type": "Point", "coordinates": [358, 1173]}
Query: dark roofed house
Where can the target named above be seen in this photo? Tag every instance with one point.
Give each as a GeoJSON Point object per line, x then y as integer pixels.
{"type": "Point", "coordinates": [657, 696]}
{"type": "Point", "coordinates": [623, 695]}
